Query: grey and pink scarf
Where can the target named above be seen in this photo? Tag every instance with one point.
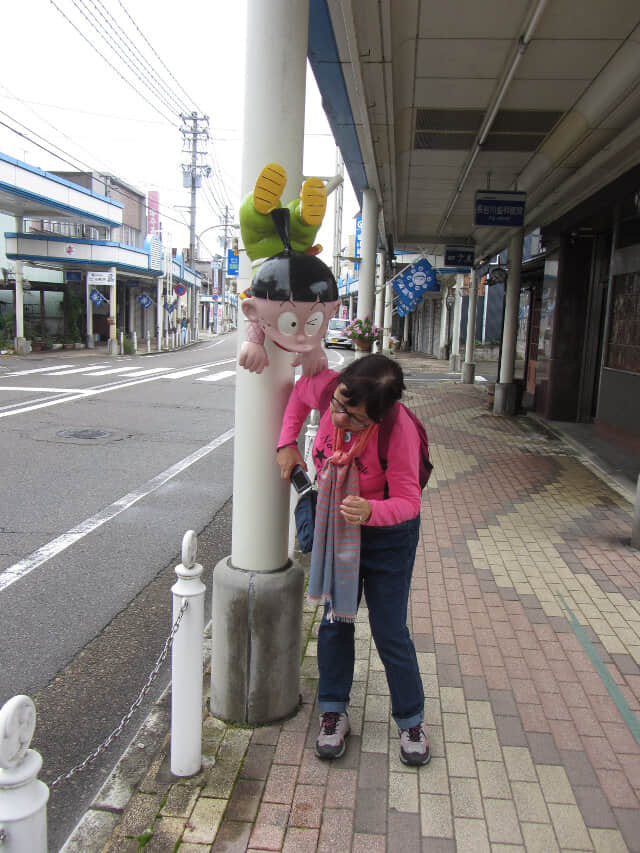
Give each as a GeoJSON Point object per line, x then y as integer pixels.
{"type": "Point", "coordinates": [335, 558]}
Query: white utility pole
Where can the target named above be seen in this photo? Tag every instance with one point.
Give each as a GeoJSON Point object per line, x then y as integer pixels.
{"type": "Point", "coordinates": [257, 591]}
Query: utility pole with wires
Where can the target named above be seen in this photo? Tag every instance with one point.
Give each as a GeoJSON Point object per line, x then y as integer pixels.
{"type": "Point", "coordinates": [195, 132]}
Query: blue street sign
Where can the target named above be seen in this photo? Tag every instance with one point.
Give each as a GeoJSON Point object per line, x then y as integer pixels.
{"type": "Point", "coordinates": [144, 300]}
{"type": "Point", "coordinates": [169, 307]}
{"type": "Point", "coordinates": [458, 256]}
{"type": "Point", "coordinates": [233, 262]}
{"type": "Point", "coordinates": [96, 297]}
{"type": "Point", "coordinates": [358, 240]}
{"type": "Point", "coordinates": [502, 209]}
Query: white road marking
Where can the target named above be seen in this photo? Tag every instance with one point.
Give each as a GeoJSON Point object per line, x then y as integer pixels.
{"type": "Point", "coordinates": [39, 370]}
{"type": "Point", "coordinates": [68, 371]}
{"type": "Point", "coordinates": [191, 371]}
{"type": "Point", "coordinates": [13, 573]}
{"type": "Point", "coordinates": [39, 390]}
{"type": "Point", "coordinates": [111, 370]}
{"type": "Point", "coordinates": [216, 377]}
{"type": "Point", "coordinates": [81, 394]}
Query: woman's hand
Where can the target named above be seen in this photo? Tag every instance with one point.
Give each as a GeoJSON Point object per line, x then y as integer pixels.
{"type": "Point", "coordinates": [287, 458]}
{"type": "Point", "coordinates": [355, 510]}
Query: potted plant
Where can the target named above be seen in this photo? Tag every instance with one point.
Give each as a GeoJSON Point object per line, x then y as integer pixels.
{"type": "Point", "coordinates": [363, 333]}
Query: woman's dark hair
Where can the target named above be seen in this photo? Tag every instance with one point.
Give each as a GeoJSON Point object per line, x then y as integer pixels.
{"type": "Point", "coordinates": [375, 381]}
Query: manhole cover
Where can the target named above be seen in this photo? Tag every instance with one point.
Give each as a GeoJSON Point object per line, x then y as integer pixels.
{"type": "Point", "coordinates": [83, 433]}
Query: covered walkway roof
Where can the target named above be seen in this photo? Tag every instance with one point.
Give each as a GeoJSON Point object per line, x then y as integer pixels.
{"type": "Point", "coordinates": [26, 191]}
{"type": "Point", "coordinates": [430, 102]}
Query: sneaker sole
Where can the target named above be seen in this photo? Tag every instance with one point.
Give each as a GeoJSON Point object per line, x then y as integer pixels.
{"type": "Point", "coordinates": [415, 760]}
{"type": "Point", "coordinates": [329, 756]}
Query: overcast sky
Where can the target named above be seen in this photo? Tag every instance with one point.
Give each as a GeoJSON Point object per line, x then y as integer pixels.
{"type": "Point", "coordinates": [54, 83]}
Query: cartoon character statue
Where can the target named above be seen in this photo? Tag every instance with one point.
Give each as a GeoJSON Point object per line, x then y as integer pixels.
{"type": "Point", "coordinates": [293, 294]}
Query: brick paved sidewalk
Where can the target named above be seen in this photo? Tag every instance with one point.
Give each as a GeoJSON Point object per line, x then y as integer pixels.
{"type": "Point", "coordinates": [525, 611]}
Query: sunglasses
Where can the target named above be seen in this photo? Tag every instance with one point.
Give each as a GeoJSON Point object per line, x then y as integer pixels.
{"type": "Point", "coordinates": [339, 409]}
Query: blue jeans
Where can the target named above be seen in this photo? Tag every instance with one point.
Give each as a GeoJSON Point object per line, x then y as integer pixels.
{"type": "Point", "coordinates": [387, 555]}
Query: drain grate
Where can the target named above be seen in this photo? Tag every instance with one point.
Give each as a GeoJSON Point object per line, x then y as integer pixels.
{"type": "Point", "coordinates": [83, 433]}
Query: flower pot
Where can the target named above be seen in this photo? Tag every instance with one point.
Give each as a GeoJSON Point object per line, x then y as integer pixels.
{"type": "Point", "coordinates": [364, 346]}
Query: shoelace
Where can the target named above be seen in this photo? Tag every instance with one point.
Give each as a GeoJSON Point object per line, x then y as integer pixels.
{"type": "Point", "coordinates": [415, 734]}
{"type": "Point", "coordinates": [329, 722]}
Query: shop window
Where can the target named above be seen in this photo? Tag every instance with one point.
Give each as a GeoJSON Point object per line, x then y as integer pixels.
{"type": "Point", "coordinates": [623, 346]}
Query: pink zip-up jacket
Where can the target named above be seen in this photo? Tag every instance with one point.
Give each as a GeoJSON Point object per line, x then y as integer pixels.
{"type": "Point", "coordinates": [403, 456]}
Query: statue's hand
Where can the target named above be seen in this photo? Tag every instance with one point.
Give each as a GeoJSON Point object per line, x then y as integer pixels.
{"type": "Point", "coordinates": [253, 357]}
{"type": "Point", "coordinates": [312, 362]}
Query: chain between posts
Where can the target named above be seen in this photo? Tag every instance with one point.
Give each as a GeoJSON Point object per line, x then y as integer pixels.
{"type": "Point", "coordinates": [123, 722]}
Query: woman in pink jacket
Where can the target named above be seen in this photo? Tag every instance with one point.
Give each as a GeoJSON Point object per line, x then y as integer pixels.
{"type": "Point", "coordinates": [366, 534]}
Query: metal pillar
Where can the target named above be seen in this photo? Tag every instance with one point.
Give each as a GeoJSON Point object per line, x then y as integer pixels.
{"type": "Point", "coordinates": [112, 343]}
{"type": "Point", "coordinates": [388, 318]}
{"type": "Point", "coordinates": [454, 356]}
{"type": "Point", "coordinates": [255, 669]}
{"type": "Point", "coordinates": [469, 367]}
{"type": "Point", "coordinates": [366, 282]}
{"type": "Point", "coordinates": [380, 295]}
{"type": "Point", "coordinates": [20, 344]}
{"type": "Point", "coordinates": [505, 393]}
{"type": "Point", "coordinates": [89, 310]}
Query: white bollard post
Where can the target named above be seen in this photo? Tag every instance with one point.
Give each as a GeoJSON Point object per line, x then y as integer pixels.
{"type": "Point", "coordinates": [134, 337]}
{"type": "Point", "coordinates": [23, 797]}
{"type": "Point", "coordinates": [186, 663]}
{"type": "Point", "coordinates": [121, 343]}
{"type": "Point", "coordinates": [148, 341]}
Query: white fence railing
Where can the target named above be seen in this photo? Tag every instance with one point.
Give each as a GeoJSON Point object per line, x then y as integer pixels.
{"type": "Point", "coordinates": [23, 797]}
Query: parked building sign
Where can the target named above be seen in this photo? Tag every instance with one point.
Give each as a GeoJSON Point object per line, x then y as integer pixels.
{"type": "Point", "coordinates": [502, 209]}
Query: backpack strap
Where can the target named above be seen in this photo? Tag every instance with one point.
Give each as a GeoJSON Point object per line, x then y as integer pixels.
{"type": "Point", "coordinates": [384, 434]}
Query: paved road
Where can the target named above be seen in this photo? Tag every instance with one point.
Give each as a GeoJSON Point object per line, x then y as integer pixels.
{"type": "Point", "coordinates": [106, 462]}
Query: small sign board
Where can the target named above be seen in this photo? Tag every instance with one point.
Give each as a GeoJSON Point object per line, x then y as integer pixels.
{"type": "Point", "coordinates": [145, 301]}
{"type": "Point", "coordinates": [180, 289]}
{"type": "Point", "coordinates": [358, 241]}
{"type": "Point", "coordinates": [233, 262]}
{"type": "Point", "coordinates": [96, 297]}
{"type": "Point", "coordinates": [458, 256]}
{"type": "Point", "coordinates": [101, 277]}
{"type": "Point", "coordinates": [169, 307]}
{"type": "Point", "coordinates": [501, 209]}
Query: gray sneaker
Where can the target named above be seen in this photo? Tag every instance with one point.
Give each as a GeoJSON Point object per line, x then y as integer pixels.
{"type": "Point", "coordinates": [414, 746]}
{"type": "Point", "coordinates": [334, 728]}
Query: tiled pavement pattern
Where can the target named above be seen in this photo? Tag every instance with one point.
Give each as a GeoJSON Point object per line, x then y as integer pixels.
{"type": "Point", "coordinates": [525, 611]}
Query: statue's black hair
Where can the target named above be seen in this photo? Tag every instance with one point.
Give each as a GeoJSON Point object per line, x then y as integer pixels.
{"type": "Point", "coordinates": [293, 275]}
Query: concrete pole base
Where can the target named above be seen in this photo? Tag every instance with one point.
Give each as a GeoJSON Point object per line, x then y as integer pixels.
{"type": "Point", "coordinates": [468, 372]}
{"type": "Point", "coordinates": [504, 402]}
{"type": "Point", "coordinates": [113, 347]}
{"type": "Point", "coordinates": [21, 346]}
{"type": "Point", "coordinates": [256, 642]}
{"type": "Point", "coordinates": [90, 342]}
{"type": "Point", "coordinates": [454, 363]}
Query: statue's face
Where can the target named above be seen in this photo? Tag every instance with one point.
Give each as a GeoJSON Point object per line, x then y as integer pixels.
{"type": "Point", "coordinates": [293, 326]}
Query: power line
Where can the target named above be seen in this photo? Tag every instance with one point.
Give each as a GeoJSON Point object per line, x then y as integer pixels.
{"type": "Point", "coordinates": [110, 64]}
{"type": "Point", "coordinates": [165, 94]}
{"type": "Point", "coordinates": [98, 27]}
{"type": "Point", "coordinates": [189, 98]}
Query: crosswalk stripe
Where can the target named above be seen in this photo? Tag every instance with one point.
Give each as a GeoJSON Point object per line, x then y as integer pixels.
{"type": "Point", "coordinates": [189, 372]}
{"type": "Point", "coordinates": [60, 372]}
{"type": "Point", "coordinates": [215, 377]}
{"type": "Point", "coordinates": [110, 370]}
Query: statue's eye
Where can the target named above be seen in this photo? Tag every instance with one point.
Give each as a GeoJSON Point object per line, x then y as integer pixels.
{"type": "Point", "coordinates": [288, 323]}
{"type": "Point", "coordinates": [313, 324]}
